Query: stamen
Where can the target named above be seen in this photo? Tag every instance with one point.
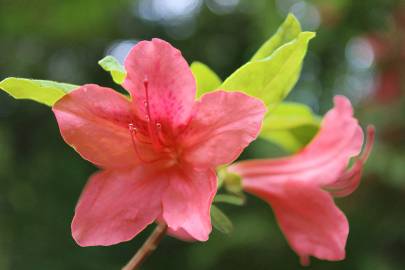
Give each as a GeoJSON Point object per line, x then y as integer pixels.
{"type": "Point", "coordinates": [133, 130]}
{"type": "Point", "coordinates": [151, 127]}
{"type": "Point", "coordinates": [146, 102]}
{"type": "Point", "coordinates": [137, 135]}
{"type": "Point", "coordinates": [160, 134]}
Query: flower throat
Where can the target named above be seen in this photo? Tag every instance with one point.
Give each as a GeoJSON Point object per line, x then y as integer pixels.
{"type": "Point", "coordinates": [152, 135]}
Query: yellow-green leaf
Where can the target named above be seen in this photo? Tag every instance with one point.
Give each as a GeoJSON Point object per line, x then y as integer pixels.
{"type": "Point", "coordinates": [271, 78]}
{"type": "Point", "coordinates": [117, 71]}
{"type": "Point", "coordinates": [45, 92]}
{"type": "Point", "coordinates": [289, 115]}
{"type": "Point", "coordinates": [289, 30]}
{"type": "Point", "coordinates": [290, 125]}
{"type": "Point", "coordinates": [207, 80]}
{"type": "Point", "coordinates": [294, 139]}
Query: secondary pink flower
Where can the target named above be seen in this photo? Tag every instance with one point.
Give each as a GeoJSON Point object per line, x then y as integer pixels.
{"type": "Point", "coordinates": [299, 188]}
{"type": "Point", "coordinates": [157, 151]}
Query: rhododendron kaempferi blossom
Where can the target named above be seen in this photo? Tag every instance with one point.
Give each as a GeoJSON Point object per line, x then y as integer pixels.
{"type": "Point", "coordinates": [300, 188]}
{"type": "Point", "coordinates": [157, 150]}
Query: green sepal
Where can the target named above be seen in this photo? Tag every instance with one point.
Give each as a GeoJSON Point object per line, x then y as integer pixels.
{"type": "Point", "coordinates": [238, 200]}
{"type": "Point", "coordinates": [232, 182]}
{"type": "Point", "coordinates": [117, 71]}
{"type": "Point", "coordinates": [45, 92]}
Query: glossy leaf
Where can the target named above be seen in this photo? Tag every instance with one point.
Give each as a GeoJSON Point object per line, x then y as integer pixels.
{"type": "Point", "coordinates": [220, 221]}
{"type": "Point", "coordinates": [289, 30]}
{"type": "Point", "coordinates": [207, 80]}
{"type": "Point", "coordinates": [229, 199]}
{"type": "Point", "coordinates": [290, 125]}
{"type": "Point", "coordinates": [117, 71]}
{"type": "Point", "coordinates": [271, 78]}
{"type": "Point", "coordinates": [45, 92]}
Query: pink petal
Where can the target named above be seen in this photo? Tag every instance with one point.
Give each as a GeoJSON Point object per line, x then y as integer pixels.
{"type": "Point", "coordinates": [116, 205]}
{"type": "Point", "coordinates": [181, 234]}
{"type": "Point", "coordinates": [313, 225]}
{"type": "Point", "coordinates": [223, 124]}
{"type": "Point", "coordinates": [324, 160]}
{"type": "Point", "coordinates": [94, 121]}
{"type": "Point", "coordinates": [170, 84]}
{"type": "Point", "coordinates": [187, 202]}
{"type": "Point", "coordinates": [350, 180]}
{"type": "Point", "coordinates": [308, 217]}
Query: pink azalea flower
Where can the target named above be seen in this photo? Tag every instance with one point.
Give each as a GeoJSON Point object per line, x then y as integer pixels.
{"type": "Point", "coordinates": [299, 188]}
{"type": "Point", "coordinates": [157, 150]}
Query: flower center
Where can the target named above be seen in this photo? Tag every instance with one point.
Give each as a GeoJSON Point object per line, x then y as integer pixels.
{"type": "Point", "coordinates": [149, 133]}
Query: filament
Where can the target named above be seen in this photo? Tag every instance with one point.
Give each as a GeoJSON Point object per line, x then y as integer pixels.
{"type": "Point", "coordinates": [153, 133]}
{"type": "Point", "coordinates": [133, 131]}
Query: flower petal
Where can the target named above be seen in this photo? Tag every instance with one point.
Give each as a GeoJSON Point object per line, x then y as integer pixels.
{"type": "Point", "coordinates": [187, 202]}
{"type": "Point", "coordinates": [223, 124]}
{"type": "Point", "coordinates": [116, 205]}
{"type": "Point", "coordinates": [170, 84]}
{"type": "Point", "coordinates": [324, 160]}
{"type": "Point", "coordinates": [350, 180]}
{"type": "Point", "coordinates": [308, 217]}
{"type": "Point", "coordinates": [181, 234]}
{"type": "Point", "coordinates": [293, 186]}
{"type": "Point", "coordinates": [94, 121]}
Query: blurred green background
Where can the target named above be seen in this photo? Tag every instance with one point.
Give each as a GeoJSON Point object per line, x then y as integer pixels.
{"type": "Point", "coordinates": [359, 51]}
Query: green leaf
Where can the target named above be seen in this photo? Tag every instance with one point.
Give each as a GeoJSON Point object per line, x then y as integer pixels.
{"type": "Point", "coordinates": [117, 71]}
{"type": "Point", "coordinates": [220, 221]}
{"type": "Point", "coordinates": [230, 199]}
{"type": "Point", "coordinates": [207, 80]}
{"type": "Point", "coordinates": [45, 92]}
{"type": "Point", "coordinates": [290, 125]}
{"type": "Point", "coordinates": [294, 139]}
{"type": "Point", "coordinates": [271, 78]}
{"type": "Point", "coordinates": [288, 115]}
{"type": "Point", "coordinates": [289, 30]}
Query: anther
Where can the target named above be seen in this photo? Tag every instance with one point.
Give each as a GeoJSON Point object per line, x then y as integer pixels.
{"type": "Point", "coordinates": [134, 137]}
{"type": "Point", "coordinates": [132, 127]}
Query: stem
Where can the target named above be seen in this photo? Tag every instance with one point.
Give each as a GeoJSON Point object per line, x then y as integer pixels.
{"type": "Point", "coordinates": [147, 248]}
